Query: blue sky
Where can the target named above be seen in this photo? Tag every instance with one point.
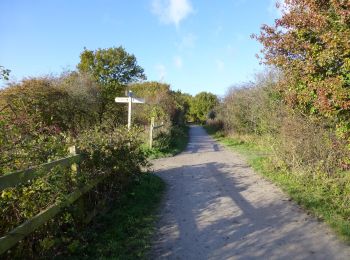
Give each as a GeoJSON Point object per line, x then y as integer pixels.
{"type": "Point", "coordinates": [194, 45]}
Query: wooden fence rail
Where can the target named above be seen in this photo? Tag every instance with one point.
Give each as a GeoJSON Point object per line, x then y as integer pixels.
{"type": "Point", "coordinates": [26, 228]}
{"type": "Point", "coordinates": [15, 178]}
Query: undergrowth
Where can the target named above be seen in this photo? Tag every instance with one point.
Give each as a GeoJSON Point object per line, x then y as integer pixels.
{"type": "Point", "coordinates": [125, 231]}
{"type": "Point", "coordinates": [177, 142]}
{"type": "Point", "coordinates": [325, 197]}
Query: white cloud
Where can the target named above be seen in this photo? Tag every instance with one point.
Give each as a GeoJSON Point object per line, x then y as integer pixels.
{"type": "Point", "coordinates": [220, 65]}
{"type": "Point", "coordinates": [172, 11]}
{"type": "Point", "coordinates": [161, 71]}
{"type": "Point", "coordinates": [188, 41]}
{"type": "Point", "coordinates": [178, 62]}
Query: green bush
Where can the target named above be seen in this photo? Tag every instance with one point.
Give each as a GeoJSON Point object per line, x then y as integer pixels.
{"type": "Point", "coordinates": [112, 150]}
{"type": "Point", "coordinates": [41, 117]}
{"type": "Point", "coordinates": [38, 115]}
{"type": "Point", "coordinates": [296, 141]}
{"type": "Point", "coordinates": [201, 105]}
{"type": "Point", "coordinates": [160, 103]}
{"type": "Point", "coordinates": [308, 145]}
{"type": "Point", "coordinates": [113, 153]}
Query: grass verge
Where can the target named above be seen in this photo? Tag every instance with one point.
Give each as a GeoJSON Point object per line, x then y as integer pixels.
{"type": "Point", "coordinates": [325, 197]}
{"type": "Point", "coordinates": [177, 143]}
{"type": "Point", "coordinates": [125, 232]}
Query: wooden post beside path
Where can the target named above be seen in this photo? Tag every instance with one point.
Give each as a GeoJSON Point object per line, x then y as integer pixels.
{"type": "Point", "coordinates": [151, 133]}
{"type": "Point", "coordinates": [152, 127]}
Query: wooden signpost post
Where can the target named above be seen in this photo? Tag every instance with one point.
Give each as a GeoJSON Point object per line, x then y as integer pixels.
{"type": "Point", "coordinates": [130, 100]}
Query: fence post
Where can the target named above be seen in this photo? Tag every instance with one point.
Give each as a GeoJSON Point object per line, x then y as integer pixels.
{"type": "Point", "coordinates": [151, 133]}
{"type": "Point", "coordinates": [79, 210]}
{"type": "Point", "coordinates": [73, 151]}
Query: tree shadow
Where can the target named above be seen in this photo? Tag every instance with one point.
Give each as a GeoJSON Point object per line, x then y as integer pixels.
{"type": "Point", "coordinates": [220, 215]}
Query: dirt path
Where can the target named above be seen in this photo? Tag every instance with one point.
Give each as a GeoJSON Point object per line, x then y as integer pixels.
{"type": "Point", "coordinates": [216, 207]}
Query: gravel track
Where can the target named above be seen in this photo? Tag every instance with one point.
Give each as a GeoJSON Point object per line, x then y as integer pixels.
{"type": "Point", "coordinates": [216, 207]}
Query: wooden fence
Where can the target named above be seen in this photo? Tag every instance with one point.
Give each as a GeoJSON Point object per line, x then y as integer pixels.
{"type": "Point", "coordinates": [20, 177]}
{"type": "Point", "coordinates": [151, 129]}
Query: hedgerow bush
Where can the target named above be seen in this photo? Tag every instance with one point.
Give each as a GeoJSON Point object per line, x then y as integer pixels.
{"type": "Point", "coordinates": [38, 115]}
{"type": "Point", "coordinates": [39, 119]}
{"type": "Point", "coordinates": [160, 103]}
{"type": "Point", "coordinates": [297, 141]}
{"type": "Point", "coordinates": [114, 154]}
{"type": "Point", "coordinates": [168, 108]}
{"type": "Point", "coordinates": [309, 145]}
{"type": "Point", "coordinates": [215, 124]}
{"type": "Point", "coordinates": [112, 150]}
{"type": "Point", "coordinates": [309, 45]}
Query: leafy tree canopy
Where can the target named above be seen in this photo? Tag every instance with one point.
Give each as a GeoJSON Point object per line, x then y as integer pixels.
{"type": "Point", "coordinates": [202, 104]}
{"type": "Point", "coordinates": [310, 45]}
{"type": "Point", "coordinates": [113, 67]}
{"type": "Point", "coordinates": [4, 73]}
{"type": "Point", "coordinates": [159, 102]}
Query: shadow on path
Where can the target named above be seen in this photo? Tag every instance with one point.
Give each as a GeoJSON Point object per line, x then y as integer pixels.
{"type": "Point", "coordinates": [217, 208]}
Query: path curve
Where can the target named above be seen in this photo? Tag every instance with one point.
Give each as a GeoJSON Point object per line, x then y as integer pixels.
{"type": "Point", "coordinates": [216, 207]}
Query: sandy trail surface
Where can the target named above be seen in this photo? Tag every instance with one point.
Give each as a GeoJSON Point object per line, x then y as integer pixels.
{"type": "Point", "coordinates": [216, 207]}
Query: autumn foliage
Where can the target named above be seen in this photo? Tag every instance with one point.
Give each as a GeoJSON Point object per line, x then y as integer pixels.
{"type": "Point", "coordinates": [41, 117]}
{"type": "Point", "coordinates": [300, 109]}
{"type": "Point", "coordinates": [310, 45]}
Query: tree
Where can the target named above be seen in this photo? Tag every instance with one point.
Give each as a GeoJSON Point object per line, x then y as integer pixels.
{"type": "Point", "coordinates": [113, 68]}
{"type": "Point", "coordinates": [4, 73]}
{"type": "Point", "coordinates": [159, 102]}
{"type": "Point", "coordinates": [182, 101]}
{"type": "Point", "coordinates": [310, 45]}
{"type": "Point", "coordinates": [201, 104]}
{"type": "Point", "coordinates": [170, 107]}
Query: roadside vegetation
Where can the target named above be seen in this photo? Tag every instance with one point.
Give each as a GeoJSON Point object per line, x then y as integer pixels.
{"type": "Point", "coordinates": [170, 112]}
{"type": "Point", "coordinates": [318, 194]}
{"type": "Point", "coordinates": [293, 122]}
{"type": "Point", "coordinates": [125, 232]}
{"type": "Point", "coordinates": [41, 117]}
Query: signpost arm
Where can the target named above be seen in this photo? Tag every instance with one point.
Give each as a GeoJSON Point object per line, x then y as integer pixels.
{"type": "Point", "coordinates": [130, 99]}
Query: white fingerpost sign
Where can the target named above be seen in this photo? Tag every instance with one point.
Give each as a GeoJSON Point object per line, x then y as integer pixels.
{"type": "Point", "coordinates": [130, 99]}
